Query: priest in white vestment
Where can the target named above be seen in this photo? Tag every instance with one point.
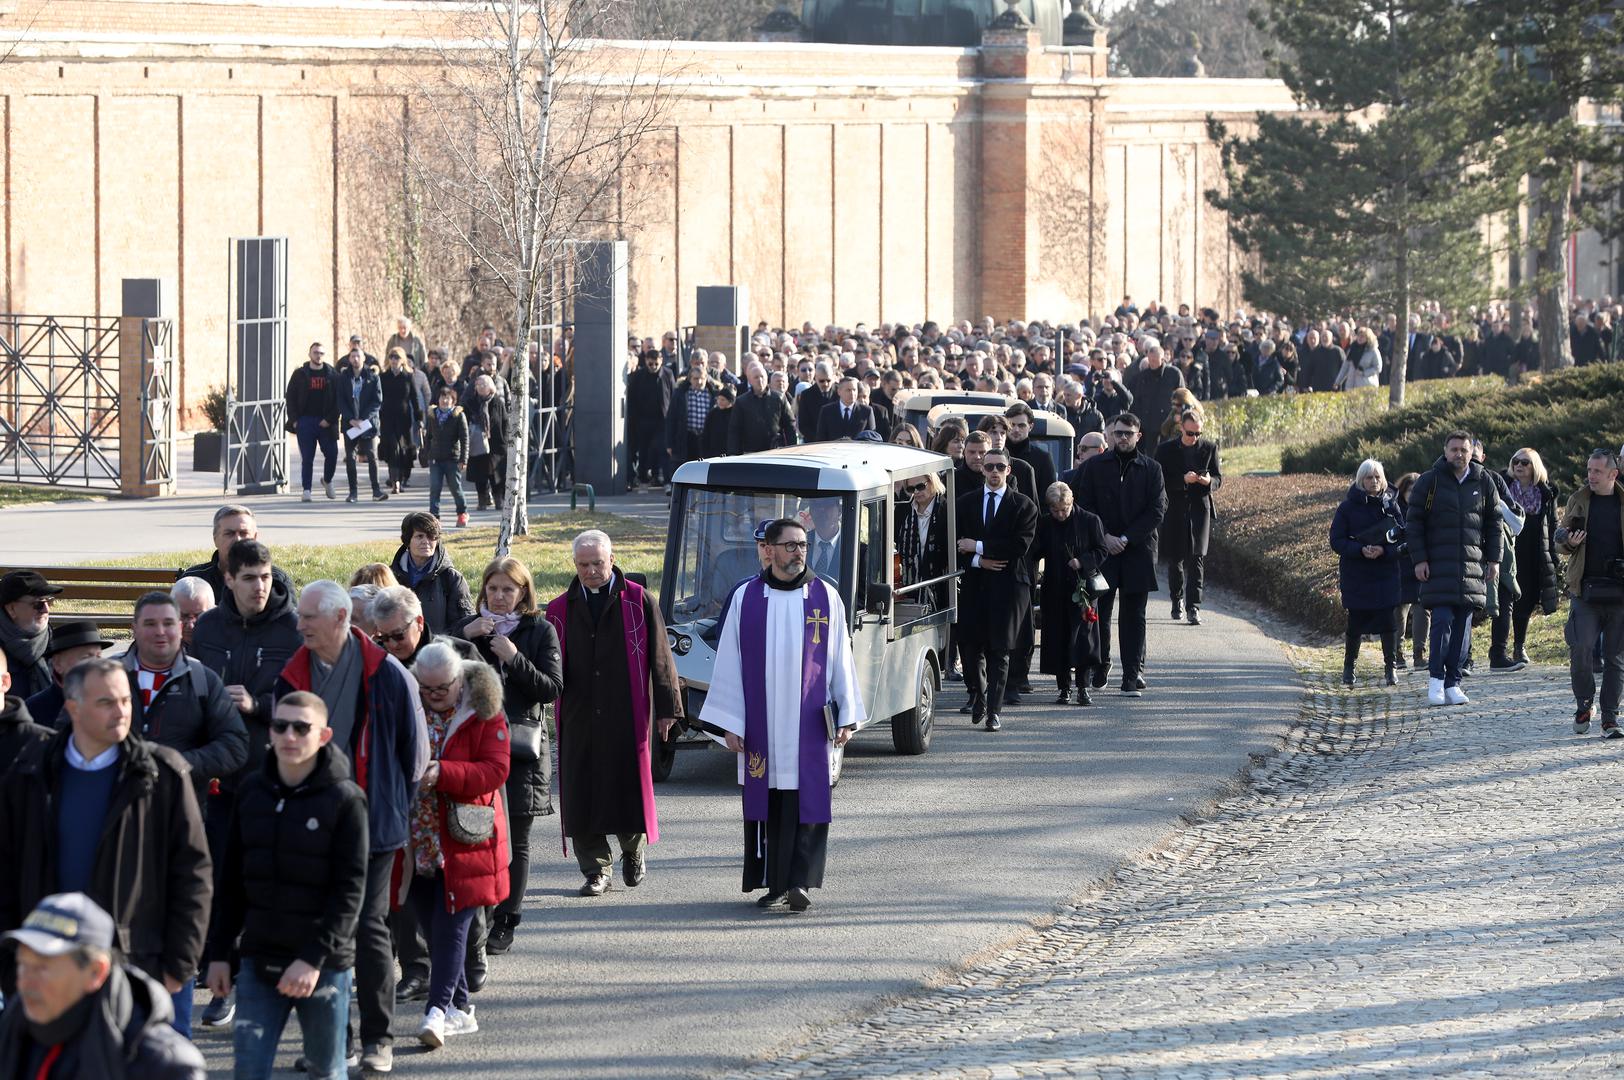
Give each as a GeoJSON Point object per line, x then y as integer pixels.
{"type": "Point", "coordinates": [783, 676]}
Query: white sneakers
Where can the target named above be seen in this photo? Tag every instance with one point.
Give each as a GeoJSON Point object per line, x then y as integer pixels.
{"type": "Point", "coordinates": [438, 1025]}
{"type": "Point", "coordinates": [431, 1032]}
{"type": "Point", "coordinates": [1438, 694]}
{"type": "Point", "coordinates": [458, 1022]}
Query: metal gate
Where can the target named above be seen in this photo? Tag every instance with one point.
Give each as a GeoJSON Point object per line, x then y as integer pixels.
{"type": "Point", "coordinates": [60, 401]}
{"type": "Point", "coordinates": [256, 445]}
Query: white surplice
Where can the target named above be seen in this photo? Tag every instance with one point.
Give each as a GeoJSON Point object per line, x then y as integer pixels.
{"type": "Point", "coordinates": [786, 629]}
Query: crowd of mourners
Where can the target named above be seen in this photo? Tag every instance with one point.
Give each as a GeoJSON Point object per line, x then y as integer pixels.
{"type": "Point", "coordinates": [291, 795]}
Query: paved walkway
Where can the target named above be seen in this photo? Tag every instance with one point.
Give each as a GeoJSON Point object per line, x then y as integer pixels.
{"type": "Point", "coordinates": [1402, 892]}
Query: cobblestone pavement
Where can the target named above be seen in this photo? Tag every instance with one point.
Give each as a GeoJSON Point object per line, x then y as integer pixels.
{"type": "Point", "coordinates": [1401, 891]}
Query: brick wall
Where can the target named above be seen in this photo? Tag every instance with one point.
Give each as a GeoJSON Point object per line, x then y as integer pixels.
{"type": "Point", "coordinates": [840, 184]}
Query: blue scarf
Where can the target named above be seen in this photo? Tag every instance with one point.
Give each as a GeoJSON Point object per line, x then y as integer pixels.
{"type": "Point", "coordinates": [441, 415]}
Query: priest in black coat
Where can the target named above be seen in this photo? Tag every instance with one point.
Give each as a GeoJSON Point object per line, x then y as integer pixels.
{"type": "Point", "coordinates": [1192, 475]}
{"type": "Point", "coordinates": [1124, 488]}
{"type": "Point", "coordinates": [996, 529]}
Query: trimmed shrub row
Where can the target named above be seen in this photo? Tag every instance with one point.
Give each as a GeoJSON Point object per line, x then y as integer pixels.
{"type": "Point", "coordinates": [1299, 418]}
{"type": "Point", "coordinates": [1271, 543]}
{"type": "Point", "coordinates": [1563, 415]}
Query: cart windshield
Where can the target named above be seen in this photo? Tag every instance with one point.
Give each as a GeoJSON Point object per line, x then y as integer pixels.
{"type": "Point", "coordinates": [715, 548]}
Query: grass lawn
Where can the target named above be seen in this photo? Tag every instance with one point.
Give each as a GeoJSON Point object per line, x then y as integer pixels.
{"type": "Point", "coordinates": [1240, 460]}
{"type": "Point", "coordinates": [25, 494]}
{"type": "Point", "coordinates": [638, 546]}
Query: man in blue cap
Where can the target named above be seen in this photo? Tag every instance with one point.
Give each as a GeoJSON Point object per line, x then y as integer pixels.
{"type": "Point", "coordinates": [80, 1013]}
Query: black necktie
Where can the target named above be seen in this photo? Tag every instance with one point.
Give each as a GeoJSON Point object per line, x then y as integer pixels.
{"type": "Point", "coordinates": [992, 508]}
{"type": "Point", "coordinates": [845, 413]}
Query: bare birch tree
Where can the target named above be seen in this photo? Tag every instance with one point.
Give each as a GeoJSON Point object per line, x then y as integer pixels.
{"type": "Point", "coordinates": [519, 144]}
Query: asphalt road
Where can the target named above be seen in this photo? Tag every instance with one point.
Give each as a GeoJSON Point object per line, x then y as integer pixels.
{"type": "Point", "coordinates": [933, 860]}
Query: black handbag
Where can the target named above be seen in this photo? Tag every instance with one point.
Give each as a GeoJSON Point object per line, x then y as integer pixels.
{"type": "Point", "coordinates": [470, 823]}
{"type": "Point", "coordinates": [526, 742]}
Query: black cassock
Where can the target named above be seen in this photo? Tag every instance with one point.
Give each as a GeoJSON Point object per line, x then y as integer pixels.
{"type": "Point", "coordinates": [1069, 641]}
{"type": "Point", "coordinates": [599, 778]}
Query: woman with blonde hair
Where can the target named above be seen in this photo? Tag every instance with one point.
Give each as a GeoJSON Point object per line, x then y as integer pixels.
{"type": "Point", "coordinates": [1363, 365]}
{"type": "Point", "coordinates": [1182, 401]}
{"type": "Point", "coordinates": [373, 573]}
{"type": "Point", "coordinates": [513, 636]}
{"type": "Point", "coordinates": [1538, 585]}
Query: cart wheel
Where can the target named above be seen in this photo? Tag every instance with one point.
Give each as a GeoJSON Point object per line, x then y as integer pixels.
{"type": "Point", "coordinates": [910, 731]}
{"type": "Point", "coordinates": [663, 754]}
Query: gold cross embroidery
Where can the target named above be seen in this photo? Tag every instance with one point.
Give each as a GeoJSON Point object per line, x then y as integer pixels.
{"type": "Point", "coordinates": [817, 620]}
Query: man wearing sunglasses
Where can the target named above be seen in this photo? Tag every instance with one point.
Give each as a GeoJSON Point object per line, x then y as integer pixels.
{"type": "Point", "coordinates": [292, 876]}
{"type": "Point", "coordinates": [25, 630]}
{"type": "Point", "coordinates": [1125, 488]}
{"type": "Point", "coordinates": [996, 528]}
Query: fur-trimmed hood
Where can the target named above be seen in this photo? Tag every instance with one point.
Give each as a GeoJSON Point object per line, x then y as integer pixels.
{"type": "Point", "coordinates": [482, 690]}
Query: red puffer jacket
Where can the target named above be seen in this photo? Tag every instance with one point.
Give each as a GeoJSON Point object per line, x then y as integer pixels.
{"type": "Point", "coordinates": [473, 768]}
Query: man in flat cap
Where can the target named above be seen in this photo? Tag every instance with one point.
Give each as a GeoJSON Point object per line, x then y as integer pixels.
{"type": "Point", "coordinates": [25, 625]}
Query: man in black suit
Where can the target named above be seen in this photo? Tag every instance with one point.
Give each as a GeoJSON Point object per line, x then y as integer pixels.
{"type": "Point", "coordinates": [996, 529]}
{"type": "Point", "coordinates": [1124, 488]}
{"type": "Point", "coordinates": [810, 402]}
{"type": "Point", "coordinates": [844, 418]}
{"type": "Point", "coordinates": [1021, 449]}
{"type": "Point", "coordinates": [1191, 475]}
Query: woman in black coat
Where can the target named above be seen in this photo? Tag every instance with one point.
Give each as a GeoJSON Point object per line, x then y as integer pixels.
{"type": "Point", "coordinates": [1409, 610]}
{"type": "Point", "coordinates": [398, 419]}
{"type": "Point", "coordinates": [1192, 475]}
{"type": "Point", "coordinates": [1538, 578]}
{"type": "Point", "coordinates": [1360, 534]}
{"type": "Point", "coordinates": [1071, 542]}
{"type": "Point", "coordinates": [515, 638]}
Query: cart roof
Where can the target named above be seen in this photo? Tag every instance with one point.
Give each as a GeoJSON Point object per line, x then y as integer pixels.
{"type": "Point", "coordinates": [1045, 424]}
{"type": "Point", "coordinates": [847, 465]}
{"type": "Point", "coordinates": [925, 400]}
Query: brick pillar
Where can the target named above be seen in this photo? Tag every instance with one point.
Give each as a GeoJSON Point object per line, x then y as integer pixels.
{"type": "Point", "coordinates": [1011, 55]}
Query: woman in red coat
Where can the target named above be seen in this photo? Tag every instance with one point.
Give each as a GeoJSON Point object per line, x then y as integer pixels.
{"type": "Point", "coordinates": [459, 826]}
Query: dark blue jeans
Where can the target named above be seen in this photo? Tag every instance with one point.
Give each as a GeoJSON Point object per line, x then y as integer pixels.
{"type": "Point", "coordinates": [182, 1000]}
{"type": "Point", "coordinates": [262, 1014]}
{"type": "Point", "coordinates": [447, 934]}
{"type": "Point", "coordinates": [311, 434]}
{"type": "Point", "coordinates": [441, 473]}
{"type": "Point", "coordinates": [1451, 636]}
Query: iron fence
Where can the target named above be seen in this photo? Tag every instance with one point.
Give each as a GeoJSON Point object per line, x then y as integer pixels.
{"type": "Point", "coordinates": [59, 400]}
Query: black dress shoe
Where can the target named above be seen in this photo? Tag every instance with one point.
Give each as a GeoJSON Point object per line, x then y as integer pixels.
{"type": "Point", "coordinates": [993, 724]}
{"type": "Point", "coordinates": [978, 713]}
{"type": "Point", "coordinates": [596, 885]}
{"type": "Point", "coordinates": [412, 988]}
{"type": "Point", "coordinates": [1195, 617]}
{"type": "Point", "coordinates": [968, 707]}
{"type": "Point", "coordinates": [476, 979]}
{"type": "Point", "coordinates": [633, 871]}
{"type": "Point", "coordinates": [1082, 696]}
{"type": "Point", "coordinates": [772, 899]}
{"type": "Point", "coordinates": [1178, 613]}
{"type": "Point", "coordinates": [1064, 698]}
{"type": "Point", "coordinates": [799, 899]}
{"type": "Point", "coordinates": [1139, 682]}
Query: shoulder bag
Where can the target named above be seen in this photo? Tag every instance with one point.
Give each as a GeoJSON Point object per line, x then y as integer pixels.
{"type": "Point", "coordinates": [470, 823]}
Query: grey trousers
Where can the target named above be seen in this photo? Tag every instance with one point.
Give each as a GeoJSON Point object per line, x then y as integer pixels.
{"type": "Point", "coordinates": [1585, 623]}
{"type": "Point", "coordinates": [594, 856]}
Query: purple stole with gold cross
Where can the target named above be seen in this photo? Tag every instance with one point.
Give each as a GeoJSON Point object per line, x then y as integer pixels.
{"type": "Point", "coordinates": [814, 740]}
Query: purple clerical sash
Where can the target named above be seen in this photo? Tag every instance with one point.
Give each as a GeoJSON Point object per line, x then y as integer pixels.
{"type": "Point", "coordinates": [814, 742]}
{"type": "Point", "coordinates": [632, 618]}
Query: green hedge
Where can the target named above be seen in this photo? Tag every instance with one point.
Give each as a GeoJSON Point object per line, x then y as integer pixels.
{"type": "Point", "coordinates": [1294, 418]}
{"type": "Point", "coordinates": [1564, 416]}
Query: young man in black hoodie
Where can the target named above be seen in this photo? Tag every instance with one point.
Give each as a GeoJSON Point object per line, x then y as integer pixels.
{"type": "Point", "coordinates": [246, 641]}
{"type": "Point", "coordinates": [291, 883]}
